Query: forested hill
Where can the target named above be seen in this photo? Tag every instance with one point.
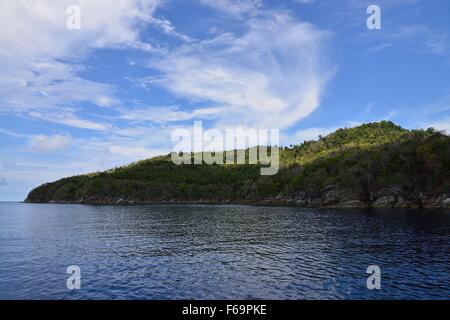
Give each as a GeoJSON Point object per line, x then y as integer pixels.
{"type": "Point", "coordinates": [376, 164]}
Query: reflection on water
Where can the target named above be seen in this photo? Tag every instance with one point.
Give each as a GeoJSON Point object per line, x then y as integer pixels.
{"type": "Point", "coordinates": [225, 252]}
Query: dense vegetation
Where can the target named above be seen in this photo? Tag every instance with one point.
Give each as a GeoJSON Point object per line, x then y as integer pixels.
{"type": "Point", "coordinates": [361, 164]}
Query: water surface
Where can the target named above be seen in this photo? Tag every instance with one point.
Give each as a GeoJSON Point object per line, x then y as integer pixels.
{"type": "Point", "coordinates": [221, 252]}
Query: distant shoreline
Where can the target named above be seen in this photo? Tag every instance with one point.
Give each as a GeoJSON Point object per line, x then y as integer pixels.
{"type": "Point", "coordinates": [267, 203]}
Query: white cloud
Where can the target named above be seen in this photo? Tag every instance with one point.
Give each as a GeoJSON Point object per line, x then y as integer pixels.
{"type": "Point", "coordinates": [304, 1]}
{"type": "Point", "coordinates": [131, 152]}
{"type": "Point", "coordinates": [423, 38]}
{"type": "Point", "coordinates": [234, 7]}
{"type": "Point", "coordinates": [310, 134]}
{"type": "Point", "coordinates": [40, 85]}
{"type": "Point", "coordinates": [43, 143]}
{"type": "Point", "coordinates": [12, 134]}
{"type": "Point", "coordinates": [170, 114]}
{"type": "Point", "coordinates": [41, 26]}
{"type": "Point", "coordinates": [270, 77]}
{"type": "Point", "coordinates": [167, 27]}
{"type": "Point", "coordinates": [35, 45]}
{"type": "Point", "coordinates": [417, 38]}
{"type": "Point", "coordinates": [441, 105]}
{"type": "Point", "coordinates": [104, 101]}
{"type": "Point", "coordinates": [68, 118]}
{"type": "Point", "coordinates": [441, 125]}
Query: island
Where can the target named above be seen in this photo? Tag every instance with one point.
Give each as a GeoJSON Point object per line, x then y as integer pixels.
{"type": "Point", "coordinates": [380, 165]}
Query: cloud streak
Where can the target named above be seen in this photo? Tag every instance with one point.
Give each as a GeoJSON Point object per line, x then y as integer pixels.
{"type": "Point", "coordinates": [271, 76]}
{"type": "Point", "coordinates": [35, 47]}
{"type": "Point", "coordinates": [236, 8]}
{"type": "Point", "coordinates": [44, 143]}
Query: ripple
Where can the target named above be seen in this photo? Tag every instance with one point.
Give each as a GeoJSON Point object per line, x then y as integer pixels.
{"type": "Point", "coordinates": [222, 252]}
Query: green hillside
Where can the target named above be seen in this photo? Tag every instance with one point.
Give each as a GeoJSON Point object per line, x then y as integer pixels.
{"type": "Point", "coordinates": [376, 164]}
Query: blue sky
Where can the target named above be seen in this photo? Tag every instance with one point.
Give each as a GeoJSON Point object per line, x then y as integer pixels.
{"type": "Point", "coordinates": [77, 101]}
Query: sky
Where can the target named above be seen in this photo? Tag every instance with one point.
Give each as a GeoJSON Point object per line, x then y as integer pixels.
{"type": "Point", "coordinates": [75, 101]}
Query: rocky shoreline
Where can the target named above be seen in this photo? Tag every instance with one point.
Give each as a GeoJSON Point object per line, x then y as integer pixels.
{"type": "Point", "coordinates": [330, 197]}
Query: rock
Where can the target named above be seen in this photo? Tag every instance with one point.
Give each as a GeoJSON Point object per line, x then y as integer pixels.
{"type": "Point", "coordinates": [329, 188]}
{"type": "Point", "coordinates": [348, 195]}
{"type": "Point", "coordinates": [301, 195]}
{"type": "Point", "coordinates": [290, 202]}
{"type": "Point", "coordinates": [401, 203]}
{"type": "Point", "coordinates": [301, 199]}
{"type": "Point", "coordinates": [437, 202]}
{"type": "Point", "coordinates": [301, 203]}
{"type": "Point", "coordinates": [314, 203]}
{"type": "Point", "coordinates": [384, 202]}
{"type": "Point", "coordinates": [391, 191]}
{"type": "Point", "coordinates": [279, 196]}
{"type": "Point", "coordinates": [353, 204]}
{"type": "Point", "coordinates": [331, 197]}
{"type": "Point", "coordinates": [314, 195]}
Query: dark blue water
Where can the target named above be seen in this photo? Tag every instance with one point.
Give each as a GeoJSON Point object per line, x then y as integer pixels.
{"type": "Point", "coordinates": [227, 252]}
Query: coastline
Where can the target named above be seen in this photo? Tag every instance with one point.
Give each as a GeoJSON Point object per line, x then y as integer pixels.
{"type": "Point", "coordinates": [261, 203]}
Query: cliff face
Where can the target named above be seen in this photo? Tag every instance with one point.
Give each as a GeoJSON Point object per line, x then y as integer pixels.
{"type": "Point", "coordinates": [376, 164]}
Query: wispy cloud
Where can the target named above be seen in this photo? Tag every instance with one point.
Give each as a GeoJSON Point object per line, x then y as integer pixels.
{"type": "Point", "coordinates": [271, 76]}
{"type": "Point", "coordinates": [304, 1]}
{"type": "Point", "coordinates": [45, 143]}
{"type": "Point", "coordinates": [169, 114]}
{"type": "Point", "coordinates": [422, 38]}
{"type": "Point", "coordinates": [167, 27]}
{"type": "Point", "coordinates": [35, 44]}
{"type": "Point", "coordinates": [441, 125]}
{"type": "Point", "coordinates": [434, 114]}
{"type": "Point", "coordinates": [234, 7]}
{"type": "Point", "coordinates": [69, 118]}
{"type": "Point", "coordinates": [310, 134]}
